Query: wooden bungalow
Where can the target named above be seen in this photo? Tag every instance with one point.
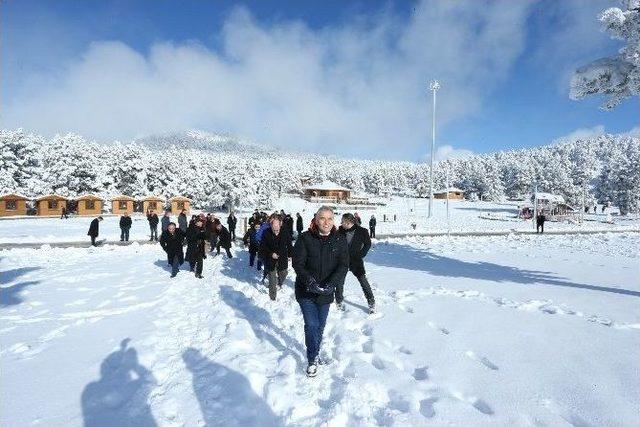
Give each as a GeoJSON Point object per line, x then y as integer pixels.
{"type": "Point", "coordinates": [122, 204]}
{"type": "Point", "coordinates": [326, 192]}
{"type": "Point", "coordinates": [178, 203]}
{"type": "Point", "coordinates": [51, 204]}
{"type": "Point", "coordinates": [13, 204]}
{"type": "Point", "coordinates": [454, 194]}
{"type": "Point", "coordinates": [89, 205]}
{"type": "Point", "coordinates": [153, 203]}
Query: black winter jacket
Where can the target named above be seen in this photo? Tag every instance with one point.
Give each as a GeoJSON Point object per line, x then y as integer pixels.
{"type": "Point", "coordinates": [358, 248]}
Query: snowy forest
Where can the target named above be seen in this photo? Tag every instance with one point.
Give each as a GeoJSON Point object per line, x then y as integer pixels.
{"type": "Point", "coordinates": [217, 170]}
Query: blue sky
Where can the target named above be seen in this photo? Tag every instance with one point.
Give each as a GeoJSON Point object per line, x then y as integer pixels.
{"type": "Point", "coordinates": [327, 76]}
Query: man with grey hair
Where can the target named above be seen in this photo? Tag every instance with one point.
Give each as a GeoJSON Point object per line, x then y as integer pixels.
{"type": "Point", "coordinates": [321, 262]}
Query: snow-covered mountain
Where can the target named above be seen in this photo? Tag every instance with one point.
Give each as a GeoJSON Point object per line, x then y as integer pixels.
{"type": "Point", "coordinates": [218, 170]}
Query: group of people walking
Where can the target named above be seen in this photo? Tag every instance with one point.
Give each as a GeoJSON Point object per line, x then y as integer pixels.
{"type": "Point", "coordinates": [321, 256]}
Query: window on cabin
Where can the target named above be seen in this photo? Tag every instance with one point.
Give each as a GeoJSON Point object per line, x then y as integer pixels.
{"type": "Point", "coordinates": [153, 205]}
{"type": "Point", "coordinates": [53, 204]}
{"type": "Point", "coordinates": [89, 204]}
{"type": "Point", "coordinates": [180, 205]}
{"type": "Point", "coordinates": [122, 205]}
{"type": "Point", "coordinates": [12, 205]}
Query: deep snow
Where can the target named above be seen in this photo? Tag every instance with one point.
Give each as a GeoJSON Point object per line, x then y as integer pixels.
{"type": "Point", "coordinates": [524, 330]}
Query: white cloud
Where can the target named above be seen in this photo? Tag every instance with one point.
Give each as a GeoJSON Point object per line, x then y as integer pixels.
{"type": "Point", "coordinates": [359, 89]}
{"type": "Point", "coordinates": [582, 133]}
{"type": "Point", "coordinates": [445, 152]}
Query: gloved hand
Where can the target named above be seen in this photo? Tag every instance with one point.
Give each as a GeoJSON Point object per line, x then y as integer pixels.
{"type": "Point", "coordinates": [315, 288]}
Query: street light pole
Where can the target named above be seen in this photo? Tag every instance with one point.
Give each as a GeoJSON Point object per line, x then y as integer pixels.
{"type": "Point", "coordinates": [433, 86]}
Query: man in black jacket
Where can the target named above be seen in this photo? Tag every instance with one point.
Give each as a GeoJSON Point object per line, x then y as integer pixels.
{"type": "Point", "coordinates": [171, 241]}
{"type": "Point", "coordinates": [372, 227]}
{"type": "Point", "coordinates": [359, 244]}
{"type": "Point", "coordinates": [321, 262]}
{"type": "Point", "coordinates": [224, 239]}
{"type": "Point", "coordinates": [275, 250]}
{"type": "Point", "coordinates": [125, 226]}
{"type": "Point", "coordinates": [231, 222]}
{"type": "Point", "coordinates": [153, 219]}
{"type": "Point", "coordinates": [94, 230]}
{"type": "Point", "coordinates": [299, 224]}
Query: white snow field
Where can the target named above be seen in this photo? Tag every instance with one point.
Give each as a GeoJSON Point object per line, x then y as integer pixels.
{"type": "Point", "coordinates": [463, 216]}
{"type": "Point", "coordinates": [511, 331]}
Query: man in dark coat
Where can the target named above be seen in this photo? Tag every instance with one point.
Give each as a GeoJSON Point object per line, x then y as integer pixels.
{"type": "Point", "coordinates": [171, 241]}
{"type": "Point", "coordinates": [372, 227]}
{"type": "Point", "coordinates": [321, 262]}
{"type": "Point", "coordinates": [287, 223]}
{"type": "Point", "coordinates": [196, 238]}
{"type": "Point", "coordinates": [231, 222]}
{"type": "Point", "coordinates": [299, 223]}
{"type": "Point", "coordinates": [125, 226]}
{"type": "Point", "coordinates": [250, 240]}
{"type": "Point", "coordinates": [275, 250]}
{"type": "Point", "coordinates": [212, 231]}
{"type": "Point", "coordinates": [166, 220]}
{"type": "Point", "coordinates": [94, 230]}
{"type": "Point", "coordinates": [224, 240]}
{"type": "Point", "coordinates": [153, 219]}
{"type": "Point", "coordinates": [182, 221]}
{"type": "Point", "coordinates": [359, 244]}
{"type": "Point", "coordinates": [63, 213]}
{"type": "Point", "coordinates": [540, 219]}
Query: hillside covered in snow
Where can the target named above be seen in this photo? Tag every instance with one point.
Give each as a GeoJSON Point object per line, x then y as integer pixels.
{"type": "Point", "coordinates": [217, 170]}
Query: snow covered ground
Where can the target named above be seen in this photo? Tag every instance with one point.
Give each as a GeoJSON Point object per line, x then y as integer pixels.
{"type": "Point", "coordinates": [463, 216]}
{"type": "Point", "coordinates": [519, 330]}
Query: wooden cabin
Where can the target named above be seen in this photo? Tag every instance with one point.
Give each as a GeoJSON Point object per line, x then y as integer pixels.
{"type": "Point", "coordinates": [89, 205]}
{"type": "Point", "coordinates": [178, 203]}
{"type": "Point", "coordinates": [454, 194]}
{"type": "Point", "coordinates": [153, 203]}
{"type": "Point", "coordinates": [122, 204]}
{"type": "Point", "coordinates": [51, 205]}
{"type": "Point", "coordinates": [326, 192]}
{"type": "Point", "coordinates": [13, 204]}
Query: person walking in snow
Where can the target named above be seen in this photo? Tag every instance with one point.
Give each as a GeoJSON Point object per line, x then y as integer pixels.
{"type": "Point", "coordinates": [166, 220]}
{"type": "Point", "coordinates": [212, 231]}
{"type": "Point", "coordinates": [357, 218]}
{"type": "Point", "coordinates": [372, 227]}
{"type": "Point", "coordinates": [224, 239]}
{"type": "Point", "coordinates": [125, 226]}
{"type": "Point", "coordinates": [250, 240]}
{"type": "Point", "coordinates": [359, 244]}
{"type": "Point", "coordinates": [153, 220]}
{"type": "Point", "coordinates": [63, 213]}
{"type": "Point", "coordinates": [264, 226]}
{"type": "Point", "coordinates": [94, 230]}
{"type": "Point", "coordinates": [196, 253]}
{"type": "Point", "coordinates": [232, 221]}
{"type": "Point", "coordinates": [299, 224]}
{"type": "Point", "coordinates": [321, 262]}
{"type": "Point", "coordinates": [182, 221]}
{"type": "Point", "coordinates": [540, 219]}
{"type": "Point", "coordinates": [171, 241]}
{"type": "Point", "coordinates": [276, 250]}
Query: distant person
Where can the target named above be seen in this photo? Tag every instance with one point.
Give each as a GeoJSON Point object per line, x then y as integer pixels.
{"type": "Point", "coordinates": [63, 213]}
{"type": "Point", "coordinates": [357, 218]}
{"type": "Point", "coordinates": [94, 230]}
{"type": "Point", "coordinates": [321, 262]}
{"type": "Point", "coordinates": [540, 219]}
{"type": "Point", "coordinates": [232, 221]}
{"type": "Point", "coordinates": [182, 221]}
{"type": "Point", "coordinates": [299, 224]}
{"type": "Point", "coordinates": [276, 250]}
{"type": "Point", "coordinates": [372, 227]}
{"type": "Point", "coordinates": [153, 220]}
{"type": "Point", "coordinates": [166, 220]}
{"type": "Point", "coordinates": [359, 244]}
{"type": "Point", "coordinates": [171, 241]}
{"type": "Point", "coordinates": [251, 241]}
{"type": "Point", "coordinates": [125, 226]}
{"type": "Point", "coordinates": [196, 238]}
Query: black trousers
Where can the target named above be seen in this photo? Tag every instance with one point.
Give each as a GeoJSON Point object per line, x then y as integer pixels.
{"type": "Point", "coordinates": [540, 227]}
{"type": "Point", "coordinates": [226, 250]}
{"type": "Point", "coordinates": [93, 240]}
{"type": "Point", "coordinates": [366, 289]}
{"type": "Point", "coordinates": [372, 232]}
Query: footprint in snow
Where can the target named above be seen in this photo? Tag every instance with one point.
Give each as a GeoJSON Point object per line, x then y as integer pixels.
{"type": "Point", "coordinates": [486, 362]}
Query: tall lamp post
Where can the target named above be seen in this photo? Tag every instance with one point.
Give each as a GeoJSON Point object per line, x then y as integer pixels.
{"type": "Point", "coordinates": [433, 86]}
